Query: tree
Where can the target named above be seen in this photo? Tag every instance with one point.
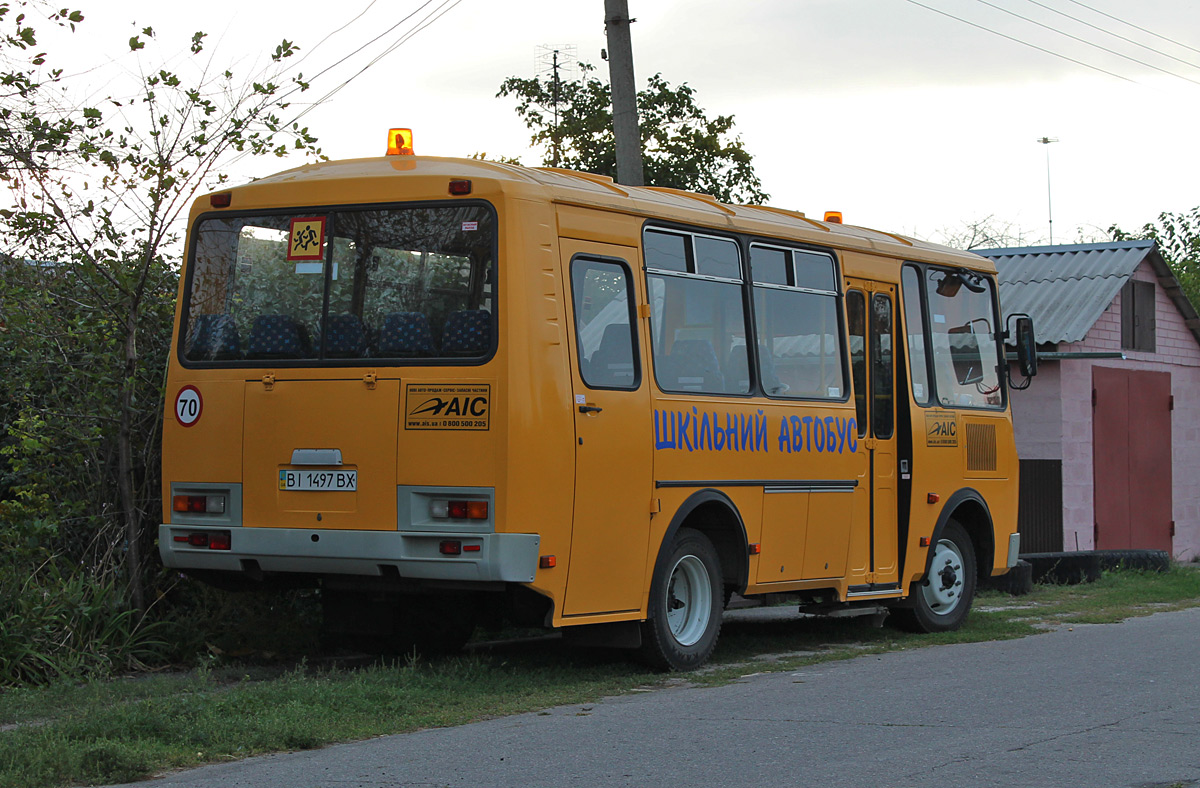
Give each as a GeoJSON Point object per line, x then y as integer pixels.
{"type": "Point", "coordinates": [93, 241]}
{"type": "Point", "coordinates": [682, 147]}
{"type": "Point", "coordinates": [986, 233]}
{"type": "Point", "coordinates": [1178, 239]}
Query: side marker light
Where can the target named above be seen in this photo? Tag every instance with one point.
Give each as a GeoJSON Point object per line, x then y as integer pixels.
{"type": "Point", "coordinates": [547, 562]}
{"type": "Point", "coordinates": [925, 541]}
{"type": "Point", "coordinates": [755, 549]}
{"type": "Point", "coordinates": [933, 498]}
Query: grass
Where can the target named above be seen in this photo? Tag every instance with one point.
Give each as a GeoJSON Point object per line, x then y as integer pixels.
{"type": "Point", "coordinates": [124, 730]}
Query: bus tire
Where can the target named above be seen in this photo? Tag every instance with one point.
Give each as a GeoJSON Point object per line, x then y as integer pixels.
{"type": "Point", "coordinates": [684, 611]}
{"type": "Point", "coordinates": [940, 602]}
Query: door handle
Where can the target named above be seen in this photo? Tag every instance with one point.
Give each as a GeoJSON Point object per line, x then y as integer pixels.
{"type": "Point", "coordinates": [589, 409]}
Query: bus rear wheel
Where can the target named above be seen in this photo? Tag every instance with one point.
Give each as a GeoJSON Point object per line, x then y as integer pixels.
{"type": "Point", "coordinates": [684, 612]}
{"type": "Point", "coordinates": [941, 600]}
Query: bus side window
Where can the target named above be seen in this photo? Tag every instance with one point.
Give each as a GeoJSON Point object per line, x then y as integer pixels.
{"type": "Point", "coordinates": [857, 319]}
{"type": "Point", "coordinates": [914, 322]}
{"type": "Point", "coordinates": [603, 324]}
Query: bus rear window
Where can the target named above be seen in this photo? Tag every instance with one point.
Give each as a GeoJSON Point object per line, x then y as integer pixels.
{"type": "Point", "coordinates": [406, 284]}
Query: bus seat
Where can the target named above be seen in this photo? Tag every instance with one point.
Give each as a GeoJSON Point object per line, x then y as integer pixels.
{"type": "Point", "coordinates": [345, 336]}
{"type": "Point", "coordinates": [405, 335]}
{"type": "Point", "coordinates": [692, 366]}
{"type": "Point", "coordinates": [771, 383]}
{"type": "Point", "coordinates": [213, 338]}
{"type": "Point", "coordinates": [736, 370]}
{"type": "Point", "coordinates": [612, 363]}
{"type": "Point", "coordinates": [467, 333]}
{"type": "Point", "coordinates": [278, 336]}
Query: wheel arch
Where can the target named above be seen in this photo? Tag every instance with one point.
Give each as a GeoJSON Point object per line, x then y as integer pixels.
{"type": "Point", "coordinates": [970, 510]}
{"type": "Point", "coordinates": [714, 514]}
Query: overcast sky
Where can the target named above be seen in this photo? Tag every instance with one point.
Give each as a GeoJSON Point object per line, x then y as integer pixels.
{"type": "Point", "coordinates": [901, 117]}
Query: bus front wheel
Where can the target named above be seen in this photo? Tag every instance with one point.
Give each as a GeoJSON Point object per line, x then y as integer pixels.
{"type": "Point", "coordinates": [684, 612]}
{"type": "Point", "coordinates": [941, 600]}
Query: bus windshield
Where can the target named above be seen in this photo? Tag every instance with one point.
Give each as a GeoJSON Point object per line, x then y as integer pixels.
{"type": "Point", "coordinates": [405, 284]}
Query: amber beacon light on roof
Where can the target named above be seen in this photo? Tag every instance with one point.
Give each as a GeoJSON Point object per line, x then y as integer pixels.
{"type": "Point", "coordinates": [400, 142]}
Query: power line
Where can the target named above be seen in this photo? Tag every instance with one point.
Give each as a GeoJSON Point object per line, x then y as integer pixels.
{"type": "Point", "coordinates": [330, 35]}
{"type": "Point", "coordinates": [424, 23]}
{"type": "Point", "coordinates": [1115, 35]}
{"type": "Point", "coordinates": [421, 25]}
{"type": "Point", "coordinates": [1020, 41]}
{"type": "Point", "coordinates": [1085, 42]}
{"type": "Point", "coordinates": [334, 65]}
{"type": "Point", "coordinates": [1135, 27]}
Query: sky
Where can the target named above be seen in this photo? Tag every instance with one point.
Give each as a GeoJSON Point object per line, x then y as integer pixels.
{"type": "Point", "coordinates": [891, 111]}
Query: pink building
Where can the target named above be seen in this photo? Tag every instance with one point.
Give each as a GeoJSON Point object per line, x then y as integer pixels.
{"type": "Point", "coordinates": [1109, 431]}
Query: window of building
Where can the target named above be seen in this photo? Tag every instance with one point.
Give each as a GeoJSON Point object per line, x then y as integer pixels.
{"type": "Point", "coordinates": [1137, 316]}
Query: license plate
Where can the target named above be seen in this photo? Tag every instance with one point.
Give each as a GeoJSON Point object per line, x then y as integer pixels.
{"type": "Point", "coordinates": [319, 481]}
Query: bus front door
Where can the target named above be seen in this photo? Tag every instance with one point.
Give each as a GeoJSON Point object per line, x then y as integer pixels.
{"type": "Point", "coordinates": [613, 459]}
{"type": "Point", "coordinates": [871, 317]}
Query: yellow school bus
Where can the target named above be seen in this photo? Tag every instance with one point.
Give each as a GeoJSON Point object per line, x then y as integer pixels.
{"type": "Point", "coordinates": [450, 392]}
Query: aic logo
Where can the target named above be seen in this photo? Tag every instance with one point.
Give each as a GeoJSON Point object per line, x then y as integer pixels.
{"type": "Point", "coordinates": [941, 429]}
{"type": "Point", "coordinates": [446, 407]}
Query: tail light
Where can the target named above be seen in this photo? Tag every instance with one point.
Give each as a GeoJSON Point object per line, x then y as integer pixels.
{"type": "Point", "coordinates": [458, 509]}
{"type": "Point", "coordinates": [213, 540]}
{"type": "Point", "coordinates": [203, 504]}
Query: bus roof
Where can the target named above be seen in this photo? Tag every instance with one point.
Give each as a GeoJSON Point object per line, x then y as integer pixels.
{"type": "Point", "coordinates": [375, 180]}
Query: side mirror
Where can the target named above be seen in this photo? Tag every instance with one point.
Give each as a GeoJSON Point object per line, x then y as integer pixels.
{"type": "Point", "coordinates": [1026, 347]}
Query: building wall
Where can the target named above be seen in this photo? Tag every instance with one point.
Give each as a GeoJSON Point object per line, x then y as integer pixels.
{"type": "Point", "coordinates": [1037, 414]}
{"type": "Point", "coordinates": [1178, 353]}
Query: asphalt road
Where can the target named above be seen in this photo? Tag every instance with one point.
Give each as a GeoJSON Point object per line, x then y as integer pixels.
{"type": "Point", "coordinates": [1090, 707]}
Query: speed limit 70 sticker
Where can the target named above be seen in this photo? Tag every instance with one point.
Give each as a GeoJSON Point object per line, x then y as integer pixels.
{"type": "Point", "coordinates": [188, 405]}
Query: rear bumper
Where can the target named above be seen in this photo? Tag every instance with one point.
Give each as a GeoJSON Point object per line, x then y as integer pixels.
{"type": "Point", "coordinates": [509, 558]}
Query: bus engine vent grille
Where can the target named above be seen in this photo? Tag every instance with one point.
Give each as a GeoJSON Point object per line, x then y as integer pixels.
{"type": "Point", "coordinates": [981, 447]}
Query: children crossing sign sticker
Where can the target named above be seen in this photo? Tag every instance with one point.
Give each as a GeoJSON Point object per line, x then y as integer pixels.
{"type": "Point", "coordinates": [307, 239]}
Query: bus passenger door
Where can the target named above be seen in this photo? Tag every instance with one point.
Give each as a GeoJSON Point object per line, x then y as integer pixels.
{"type": "Point", "coordinates": [612, 434]}
{"type": "Point", "coordinates": [871, 318]}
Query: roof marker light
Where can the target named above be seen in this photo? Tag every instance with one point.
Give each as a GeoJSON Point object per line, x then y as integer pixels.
{"type": "Point", "coordinates": [460, 187]}
{"type": "Point", "coordinates": [400, 142]}
{"type": "Point", "coordinates": [833, 217]}
{"type": "Point", "coordinates": [221, 200]}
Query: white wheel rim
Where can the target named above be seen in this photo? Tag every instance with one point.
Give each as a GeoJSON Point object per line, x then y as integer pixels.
{"type": "Point", "coordinates": [943, 587]}
{"type": "Point", "coordinates": [689, 600]}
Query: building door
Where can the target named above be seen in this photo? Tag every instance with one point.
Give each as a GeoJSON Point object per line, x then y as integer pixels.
{"type": "Point", "coordinates": [611, 402]}
{"type": "Point", "coordinates": [1131, 450]}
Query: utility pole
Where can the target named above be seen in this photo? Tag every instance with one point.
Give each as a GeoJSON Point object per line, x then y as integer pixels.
{"type": "Point", "coordinates": [1049, 204]}
{"type": "Point", "coordinates": [624, 92]}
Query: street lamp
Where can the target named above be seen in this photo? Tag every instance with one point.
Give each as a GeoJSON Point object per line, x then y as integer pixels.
{"type": "Point", "coordinates": [1049, 205]}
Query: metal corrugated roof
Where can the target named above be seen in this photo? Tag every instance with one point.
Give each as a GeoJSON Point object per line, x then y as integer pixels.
{"type": "Point", "coordinates": [1065, 289]}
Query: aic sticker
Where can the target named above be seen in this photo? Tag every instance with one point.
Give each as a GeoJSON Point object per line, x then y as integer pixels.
{"type": "Point", "coordinates": [188, 405]}
{"type": "Point", "coordinates": [941, 429]}
{"type": "Point", "coordinates": [447, 407]}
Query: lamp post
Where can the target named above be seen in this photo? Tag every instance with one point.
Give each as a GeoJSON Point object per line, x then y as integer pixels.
{"type": "Point", "coordinates": [1049, 204]}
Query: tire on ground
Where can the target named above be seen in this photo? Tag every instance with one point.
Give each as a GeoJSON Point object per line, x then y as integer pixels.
{"type": "Point", "coordinates": [684, 611]}
{"type": "Point", "coordinates": [940, 602]}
